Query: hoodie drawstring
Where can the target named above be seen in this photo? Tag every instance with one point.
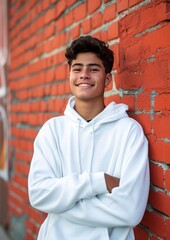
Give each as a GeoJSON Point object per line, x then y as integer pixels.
{"type": "Point", "coordinates": [78, 144]}
{"type": "Point", "coordinates": [92, 152]}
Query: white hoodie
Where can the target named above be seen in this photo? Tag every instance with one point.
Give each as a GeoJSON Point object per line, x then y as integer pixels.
{"type": "Point", "coordinates": [66, 177]}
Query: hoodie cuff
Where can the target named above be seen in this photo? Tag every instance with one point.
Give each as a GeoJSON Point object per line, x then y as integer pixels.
{"type": "Point", "coordinates": [98, 183]}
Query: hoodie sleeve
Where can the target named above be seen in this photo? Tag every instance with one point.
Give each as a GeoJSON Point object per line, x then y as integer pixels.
{"type": "Point", "coordinates": [126, 204]}
{"type": "Point", "coordinates": [48, 190]}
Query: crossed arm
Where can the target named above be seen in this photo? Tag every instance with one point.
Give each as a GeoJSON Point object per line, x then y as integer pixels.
{"type": "Point", "coordinates": [111, 182]}
{"type": "Point", "coordinates": [93, 199]}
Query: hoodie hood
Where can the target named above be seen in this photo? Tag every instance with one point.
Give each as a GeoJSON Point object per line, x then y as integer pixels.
{"type": "Point", "coordinates": [112, 112]}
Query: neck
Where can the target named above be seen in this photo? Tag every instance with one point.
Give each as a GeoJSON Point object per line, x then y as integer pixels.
{"type": "Point", "coordinates": [89, 110]}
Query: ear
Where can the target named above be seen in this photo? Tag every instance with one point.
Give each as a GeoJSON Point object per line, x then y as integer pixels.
{"type": "Point", "coordinates": [108, 79]}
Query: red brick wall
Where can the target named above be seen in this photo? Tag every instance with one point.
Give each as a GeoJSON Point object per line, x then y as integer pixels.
{"type": "Point", "coordinates": [139, 33]}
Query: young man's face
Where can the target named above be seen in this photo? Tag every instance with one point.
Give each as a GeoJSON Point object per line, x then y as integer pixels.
{"type": "Point", "coordinates": [87, 77]}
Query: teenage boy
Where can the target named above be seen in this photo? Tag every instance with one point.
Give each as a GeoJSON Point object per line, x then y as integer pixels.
{"type": "Point", "coordinates": [90, 169]}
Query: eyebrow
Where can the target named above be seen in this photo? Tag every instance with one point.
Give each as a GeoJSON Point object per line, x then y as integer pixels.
{"type": "Point", "coordinates": [89, 65]}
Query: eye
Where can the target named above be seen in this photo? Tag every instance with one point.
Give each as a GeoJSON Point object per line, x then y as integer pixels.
{"type": "Point", "coordinates": [94, 69]}
{"type": "Point", "coordinates": [76, 69]}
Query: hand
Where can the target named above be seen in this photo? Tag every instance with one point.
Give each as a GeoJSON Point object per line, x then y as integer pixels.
{"type": "Point", "coordinates": [111, 182]}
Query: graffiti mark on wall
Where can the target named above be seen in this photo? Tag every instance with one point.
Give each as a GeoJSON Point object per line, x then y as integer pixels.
{"type": "Point", "coordinates": [4, 125]}
{"type": "Point", "coordinates": [3, 143]}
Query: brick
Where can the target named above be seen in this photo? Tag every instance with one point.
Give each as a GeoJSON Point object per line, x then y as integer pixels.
{"type": "Point", "coordinates": [22, 95]}
{"type": "Point", "coordinates": [133, 54]}
{"type": "Point", "coordinates": [160, 202]}
{"type": "Point", "coordinates": [134, 2]}
{"type": "Point", "coordinates": [16, 203]}
{"type": "Point", "coordinates": [49, 31]}
{"type": "Point", "coordinates": [80, 12]}
{"type": "Point", "coordinates": [51, 105]}
{"type": "Point", "coordinates": [49, 16]}
{"type": "Point", "coordinates": [96, 20]}
{"type": "Point", "coordinates": [35, 106]}
{"type": "Point", "coordinates": [130, 101]}
{"type": "Point", "coordinates": [122, 5]}
{"type": "Point", "coordinates": [58, 105]}
{"type": "Point", "coordinates": [144, 18]}
{"type": "Point", "coordinates": [60, 8]}
{"type": "Point", "coordinates": [86, 26]}
{"type": "Point", "coordinates": [156, 223]}
{"type": "Point", "coordinates": [167, 179]}
{"type": "Point", "coordinates": [162, 101]}
{"type": "Point", "coordinates": [157, 39]}
{"type": "Point", "coordinates": [36, 215]}
{"type": "Point", "coordinates": [44, 105]}
{"type": "Point", "coordinates": [47, 90]}
{"type": "Point", "coordinates": [50, 60]}
{"type": "Point", "coordinates": [35, 120]}
{"type": "Point", "coordinates": [60, 72]}
{"type": "Point", "coordinates": [140, 233]}
{"type": "Point", "coordinates": [97, 34]}
{"type": "Point", "coordinates": [49, 75]}
{"type": "Point", "coordinates": [153, 75]}
{"type": "Point", "coordinates": [160, 125]}
{"type": "Point", "coordinates": [157, 175]}
{"type": "Point", "coordinates": [76, 31]}
{"type": "Point", "coordinates": [92, 6]}
{"type": "Point", "coordinates": [68, 19]}
{"type": "Point", "coordinates": [71, 2]}
{"type": "Point", "coordinates": [115, 49]}
{"type": "Point", "coordinates": [61, 89]}
{"type": "Point", "coordinates": [14, 210]}
{"type": "Point", "coordinates": [103, 36]}
{"type": "Point", "coordinates": [20, 192]}
{"type": "Point", "coordinates": [21, 181]}
{"type": "Point", "coordinates": [153, 13]}
{"type": "Point", "coordinates": [31, 226]}
{"type": "Point", "coordinates": [54, 92]}
{"type": "Point", "coordinates": [21, 168]}
{"type": "Point", "coordinates": [62, 39]}
{"type": "Point", "coordinates": [128, 80]}
{"type": "Point", "coordinates": [29, 236]}
{"type": "Point", "coordinates": [27, 133]}
{"type": "Point", "coordinates": [159, 150]}
{"type": "Point", "coordinates": [23, 145]}
{"type": "Point", "coordinates": [45, 5]}
{"type": "Point", "coordinates": [109, 13]}
{"type": "Point", "coordinates": [60, 24]}
{"type": "Point", "coordinates": [113, 31]}
{"type": "Point", "coordinates": [109, 99]}
{"type": "Point", "coordinates": [143, 102]}
{"type": "Point", "coordinates": [154, 238]}
{"type": "Point", "coordinates": [168, 228]}
{"type": "Point", "coordinates": [144, 120]}
{"type": "Point", "coordinates": [49, 46]}
{"type": "Point", "coordinates": [66, 88]}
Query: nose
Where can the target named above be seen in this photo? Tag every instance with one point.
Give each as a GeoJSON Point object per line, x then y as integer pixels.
{"type": "Point", "coordinates": [85, 74]}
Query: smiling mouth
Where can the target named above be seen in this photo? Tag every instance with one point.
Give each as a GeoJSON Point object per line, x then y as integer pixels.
{"type": "Point", "coordinates": [84, 85]}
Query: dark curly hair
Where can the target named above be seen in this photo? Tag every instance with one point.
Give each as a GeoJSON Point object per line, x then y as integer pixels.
{"type": "Point", "coordinates": [90, 44]}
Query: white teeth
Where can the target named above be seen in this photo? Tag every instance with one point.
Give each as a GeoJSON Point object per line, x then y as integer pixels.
{"type": "Point", "coordinates": [84, 84]}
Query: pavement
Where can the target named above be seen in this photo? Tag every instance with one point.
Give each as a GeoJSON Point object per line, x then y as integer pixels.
{"type": "Point", "coordinates": [3, 235]}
